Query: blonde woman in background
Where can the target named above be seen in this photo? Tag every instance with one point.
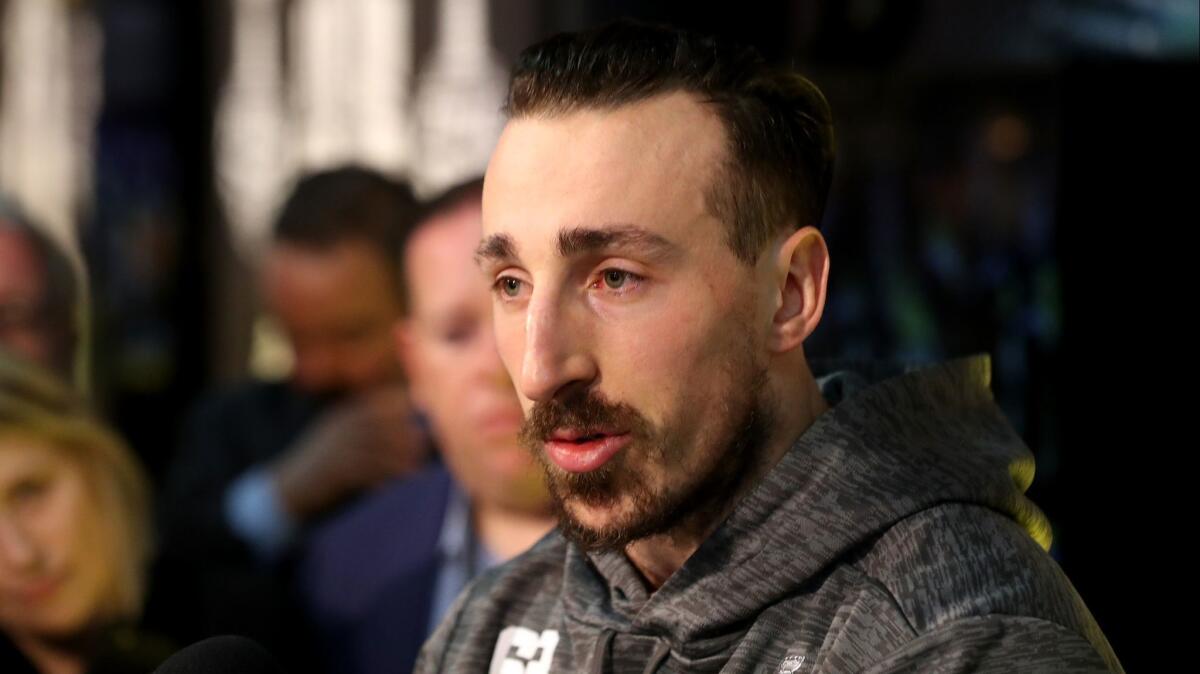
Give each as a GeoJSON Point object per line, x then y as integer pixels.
{"type": "Point", "coordinates": [74, 534]}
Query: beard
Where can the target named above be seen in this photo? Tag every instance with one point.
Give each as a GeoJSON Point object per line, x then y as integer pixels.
{"type": "Point", "coordinates": [687, 503]}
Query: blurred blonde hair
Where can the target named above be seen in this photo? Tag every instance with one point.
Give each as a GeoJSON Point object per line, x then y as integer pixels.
{"type": "Point", "coordinates": [35, 404]}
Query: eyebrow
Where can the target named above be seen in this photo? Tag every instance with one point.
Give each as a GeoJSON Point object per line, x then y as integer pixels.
{"type": "Point", "coordinates": [496, 248]}
{"type": "Point", "coordinates": [585, 240]}
{"type": "Point", "coordinates": [579, 241]}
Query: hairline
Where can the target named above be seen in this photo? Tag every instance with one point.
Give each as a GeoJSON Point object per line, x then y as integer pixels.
{"type": "Point", "coordinates": [450, 202]}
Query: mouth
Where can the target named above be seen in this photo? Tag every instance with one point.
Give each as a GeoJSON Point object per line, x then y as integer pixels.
{"type": "Point", "coordinates": [582, 451]}
{"type": "Point", "coordinates": [39, 590]}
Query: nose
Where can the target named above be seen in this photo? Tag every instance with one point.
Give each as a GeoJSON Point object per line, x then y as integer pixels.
{"type": "Point", "coordinates": [17, 550]}
{"type": "Point", "coordinates": [556, 358]}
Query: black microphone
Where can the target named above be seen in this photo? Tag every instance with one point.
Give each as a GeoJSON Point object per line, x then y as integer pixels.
{"type": "Point", "coordinates": [226, 654]}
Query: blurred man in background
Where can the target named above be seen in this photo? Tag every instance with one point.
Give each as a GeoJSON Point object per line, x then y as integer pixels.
{"type": "Point", "coordinates": [380, 576]}
{"type": "Point", "coordinates": [263, 461]}
{"type": "Point", "coordinates": [38, 294]}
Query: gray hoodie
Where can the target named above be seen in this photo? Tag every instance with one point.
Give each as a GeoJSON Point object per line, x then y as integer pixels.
{"type": "Point", "coordinates": [894, 536]}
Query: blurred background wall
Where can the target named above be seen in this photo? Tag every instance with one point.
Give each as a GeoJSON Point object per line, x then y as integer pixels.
{"type": "Point", "coordinates": [1014, 176]}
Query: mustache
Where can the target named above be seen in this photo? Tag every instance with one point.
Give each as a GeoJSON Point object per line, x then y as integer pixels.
{"type": "Point", "coordinates": [582, 410]}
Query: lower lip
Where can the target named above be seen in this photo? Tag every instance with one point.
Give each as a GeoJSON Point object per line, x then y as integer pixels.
{"type": "Point", "coordinates": [583, 457]}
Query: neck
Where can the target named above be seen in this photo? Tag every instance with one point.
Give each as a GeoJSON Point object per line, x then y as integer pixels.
{"type": "Point", "coordinates": [507, 533]}
{"type": "Point", "coordinates": [659, 557]}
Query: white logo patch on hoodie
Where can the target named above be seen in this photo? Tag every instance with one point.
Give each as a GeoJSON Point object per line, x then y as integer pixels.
{"type": "Point", "coordinates": [520, 650]}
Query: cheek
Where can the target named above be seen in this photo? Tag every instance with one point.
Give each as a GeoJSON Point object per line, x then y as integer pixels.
{"type": "Point", "coordinates": [31, 344]}
{"type": "Point", "coordinates": [510, 342]}
{"type": "Point", "coordinates": [101, 564]}
{"type": "Point", "coordinates": [666, 364]}
{"type": "Point", "coordinates": [83, 598]}
{"type": "Point", "coordinates": [453, 387]}
{"type": "Point", "coordinates": [59, 526]}
{"type": "Point", "coordinates": [73, 543]}
{"type": "Point", "coordinates": [439, 368]}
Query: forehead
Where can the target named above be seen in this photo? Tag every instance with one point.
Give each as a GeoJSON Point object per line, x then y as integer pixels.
{"type": "Point", "coordinates": [438, 263]}
{"type": "Point", "coordinates": [323, 273]}
{"type": "Point", "coordinates": [21, 454]}
{"type": "Point", "coordinates": [649, 163]}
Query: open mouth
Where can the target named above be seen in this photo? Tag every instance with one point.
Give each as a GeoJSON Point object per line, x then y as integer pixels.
{"type": "Point", "coordinates": [580, 451]}
{"type": "Point", "coordinates": [579, 436]}
{"type": "Point", "coordinates": [582, 435]}
{"type": "Point", "coordinates": [587, 438]}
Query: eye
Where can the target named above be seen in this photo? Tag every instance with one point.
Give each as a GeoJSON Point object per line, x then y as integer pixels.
{"type": "Point", "coordinates": [617, 280]}
{"type": "Point", "coordinates": [508, 286]}
{"type": "Point", "coordinates": [27, 492]}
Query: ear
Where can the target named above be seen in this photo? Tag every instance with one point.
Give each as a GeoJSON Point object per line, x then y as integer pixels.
{"type": "Point", "coordinates": [802, 272]}
{"type": "Point", "coordinates": [403, 341]}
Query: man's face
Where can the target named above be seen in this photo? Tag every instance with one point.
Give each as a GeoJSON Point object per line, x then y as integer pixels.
{"type": "Point", "coordinates": [337, 307]}
{"type": "Point", "coordinates": [24, 328]}
{"type": "Point", "coordinates": [635, 337]}
{"type": "Point", "coordinates": [455, 373]}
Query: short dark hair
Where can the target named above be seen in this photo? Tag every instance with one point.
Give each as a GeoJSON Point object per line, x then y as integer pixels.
{"type": "Point", "coordinates": [60, 308]}
{"type": "Point", "coordinates": [780, 131]}
{"type": "Point", "coordinates": [470, 190]}
{"type": "Point", "coordinates": [348, 203]}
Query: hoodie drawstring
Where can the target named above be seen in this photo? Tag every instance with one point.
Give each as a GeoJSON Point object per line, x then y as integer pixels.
{"type": "Point", "coordinates": [661, 651]}
{"type": "Point", "coordinates": [600, 653]}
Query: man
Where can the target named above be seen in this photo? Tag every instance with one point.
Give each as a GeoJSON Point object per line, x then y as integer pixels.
{"type": "Point", "coordinates": [262, 462]}
{"type": "Point", "coordinates": [38, 295]}
{"type": "Point", "coordinates": [650, 232]}
{"type": "Point", "coordinates": [433, 532]}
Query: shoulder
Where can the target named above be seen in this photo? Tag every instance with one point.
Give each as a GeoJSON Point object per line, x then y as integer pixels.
{"type": "Point", "coordinates": [408, 510]}
{"type": "Point", "coordinates": [231, 407]}
{"type": "Point", "coordinates": [524, 590]}
{"type": "Point", "coordinates": [248, 422]}
{"type": "Point", "coordinates": [956, 560]}
{"type": "Point", "coordinates": [997, 643]}
{"type": "Point", "coordinates": [960, 562]}
{"type": "Point", "coordinates": [413, 494]}
{"type": "Point", "coordinates": [246, 398]}
{"type": "Point", "coordinates": [523, 581]}
{"type": "Point", "coordinates": [399, 523]}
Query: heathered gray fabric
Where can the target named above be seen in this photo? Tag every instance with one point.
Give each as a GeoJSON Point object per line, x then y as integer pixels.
{"type": "Point", "coordinates": [894, 537]}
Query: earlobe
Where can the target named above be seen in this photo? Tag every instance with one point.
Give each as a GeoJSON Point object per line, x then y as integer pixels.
{"type": "Point", "coordinates": [802, 267]}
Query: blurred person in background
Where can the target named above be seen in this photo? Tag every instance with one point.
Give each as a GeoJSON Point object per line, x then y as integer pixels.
{"type": "Point", "coordinates": [378, 578]}
{"type": "Point", "coordinates": [261, 462]}
{"type": "Point", "coordinates": [38, 294]}
{"type": "Point", "coordinates": [74, 534]}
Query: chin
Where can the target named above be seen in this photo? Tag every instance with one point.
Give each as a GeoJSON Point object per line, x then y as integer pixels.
{"type": "Point", "coordinates": [60, 624]}
{"type": "Point", "coordinates": [595, 517]}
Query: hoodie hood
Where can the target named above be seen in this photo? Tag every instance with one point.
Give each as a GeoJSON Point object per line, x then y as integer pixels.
{"type": "Point", "coordinates": [895, 441]}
